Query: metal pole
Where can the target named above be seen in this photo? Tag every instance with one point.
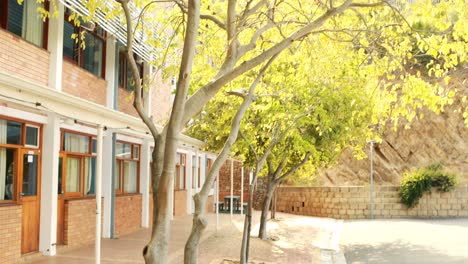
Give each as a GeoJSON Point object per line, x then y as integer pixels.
{"type": "Point", "coordinates": [217, 202]}
{"type": "Point", "coordinates": [372, 179]}
{"type": "Point", "coordinates": [242, 192]}
{"type": "Point", "coordinates": [98, 194]}
{"type": "Point", "coordinates": [232, 187]}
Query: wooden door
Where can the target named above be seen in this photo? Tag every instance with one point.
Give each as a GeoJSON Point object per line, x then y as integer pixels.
{"type": "Point", "coordinates": [29, 196]}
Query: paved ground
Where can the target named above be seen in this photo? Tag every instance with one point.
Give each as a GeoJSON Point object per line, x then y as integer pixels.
{"type": "Point", "coordinates": [298, 239]}
{"type": "Point", "coordinates": [405, 241]}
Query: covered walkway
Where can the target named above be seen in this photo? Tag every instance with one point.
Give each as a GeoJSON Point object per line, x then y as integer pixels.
{"type": "Point", "coordinates": [296, 239]}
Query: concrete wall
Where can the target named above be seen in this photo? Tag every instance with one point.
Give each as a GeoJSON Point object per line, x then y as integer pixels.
{"type": "Point", "coordinates": [23, 59]}
{"type": "Point", "coordinates": [10, 233]}
{"type": "Point", "coordinates": [353, 203]}
{"type": "Point", "coordinates": [127, 213]}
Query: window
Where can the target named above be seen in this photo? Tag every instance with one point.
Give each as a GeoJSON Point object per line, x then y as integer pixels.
{"type": "Point", "coordinates": [127, 164]}
{"type": "Point", "coordinates": [125, 73]}
{"type": "Point", "coordinates": [23, 20]}
{"type": "Point", "coordinates": [77, 165]}
{"type": "Point", "coordinates": [14, 135]}
{"type": "Point", "coordinates": [32, 136]}
{"type": "Point", "coordinates": [92, 56]}
{"type": "Point", "coordinates": [180, 177]}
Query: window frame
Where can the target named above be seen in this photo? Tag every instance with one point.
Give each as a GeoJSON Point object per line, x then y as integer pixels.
{"type": "Point", "coordinates": [17, 148]}
{"type": "Point", "coordinates": [124, 63]}
{"type": "Point", "coordinates": [79, 30]}
{"type": "Point", "coordinates": [26, 125]}
{"type": "Point", "coordinates": [82, 156]}
{"type": "Point", "coordinates": [45, 24]}
{"type": "Point", "coordinates": [119, 162]}
{"type": "Point", "coordinates": [182, 163]}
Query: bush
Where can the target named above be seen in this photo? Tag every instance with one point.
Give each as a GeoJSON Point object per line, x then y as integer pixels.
{"type": "Point", "coordinates": [416, 183]}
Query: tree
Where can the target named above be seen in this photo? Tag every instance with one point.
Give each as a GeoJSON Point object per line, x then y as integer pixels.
{"type": "Point", "coordinates": [235, 38]}
{"type": "Point", "coordinates": [355, 91]}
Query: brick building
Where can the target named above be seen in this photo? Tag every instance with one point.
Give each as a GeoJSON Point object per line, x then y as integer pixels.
{"type": "Point", "coordinates": [53, 96]}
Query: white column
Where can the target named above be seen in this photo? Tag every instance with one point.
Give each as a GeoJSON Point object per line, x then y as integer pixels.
{"type": "Point", "coordinates": [242, 191]}
{"type": "Point", "coordinates": [49, 185]}
{"type": "Point", "coordinates": [110, 71]}
{"type": "Point", "coordinates": [188, 182]}
{"type": "Point", "coordinates": [55, 47]}
{"type": "Point", "coordinates": [202, 170]}
{"type": "Point", "coordinates": [98, 184]}
{"type": "Point", "coordinates": [232, 187]}
{"type": "Point", "coordinates": [145, 175]}
{"type": "Point", "coordinates": [107, 163]}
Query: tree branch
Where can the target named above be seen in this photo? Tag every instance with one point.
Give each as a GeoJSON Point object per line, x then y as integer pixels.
{"type": "Point", "coordinates": [294, 169]}
{"type": "Point", "coordinates": [137, 102]}
{"type": "Point", "coordinates": [204, 94]}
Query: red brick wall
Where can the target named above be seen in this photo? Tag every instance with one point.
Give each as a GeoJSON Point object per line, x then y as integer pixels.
{"type": "Point", "coordinates": [210, 204]}
{"type": "Point", "coordinates": [161, 99]}
{"type": "Point", "coordinates": [150, 210]}
{"type": "Point", "coordinates": [81, 83]}
{"type": "Point", "coordinates": [127, 214]}
{"type": "Point", "coordinates": [23, 59]}
{"type": "Point", "coordinates": [125, 102]}
{"type": "Point", "coordinates": [180, 203]}
{"type": "Point", "coordinates": [225, 180]}
{"type": "Point", "coordinates": [10, 234]}
{"type": "Point", "coordinates": [79, 222]}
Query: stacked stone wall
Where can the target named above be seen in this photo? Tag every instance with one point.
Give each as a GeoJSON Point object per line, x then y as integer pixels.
{"type": "Point", "coordinates": [354, 203]}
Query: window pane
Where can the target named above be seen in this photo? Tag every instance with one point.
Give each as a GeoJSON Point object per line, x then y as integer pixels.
{"type": "Point", "coordinates": [15, 17]}
{"type": "Point", "coordinates": [70, 46]}
{"type": "Point", "coordinates": [32, 23]}
{"type": "Point", "coordinates": [59, 189]}
{"type": "Point", "coordinates": [13, 133]}
{"type": "Point", "coordinates": [136, 152]}
{"type": "Point", "coordinates": [130, 176]}
{"type": "Point", "coordinates": [32, 134]}
{"type": "Point", "coordinates": [123, 150]}
{"type": "Point", "coordinates": [90, 173]}
{"type": "Point", "coordinates": [92, 54]}
{"type": "Point", "coordinates": [75, 143]}
{"type": "Point", "coordinates": [73, 175]}
{"type": "Point", "coordinates": [7, 172]}
{"type": "Point", "coordinates": [29, 175]}
{"type": "Point", "coordinates": [94, 146]}
{"type": "Point", "coordinates": [116, 175]}
{"type": "Point", "coordinates": [122, 70]}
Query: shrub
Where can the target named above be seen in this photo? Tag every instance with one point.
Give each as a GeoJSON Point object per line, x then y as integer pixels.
{"type": "Point", "coordinates": [416, 183]}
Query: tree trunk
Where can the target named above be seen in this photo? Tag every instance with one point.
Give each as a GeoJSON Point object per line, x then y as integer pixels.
{"type": "Point", "coordinates": [199, 224]}
{"type": "Point", "coordinates": [244, 258]}
{"type": "Point", "coordinates": [156, 252]}
{"type": "Point", "coordinates": [273, 207]}
{"type": "Point", "coordinates": [266, 206]}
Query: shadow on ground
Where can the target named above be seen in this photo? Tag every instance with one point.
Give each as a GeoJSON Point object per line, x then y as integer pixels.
{"type": "Point", "coordinates": [398, 252]}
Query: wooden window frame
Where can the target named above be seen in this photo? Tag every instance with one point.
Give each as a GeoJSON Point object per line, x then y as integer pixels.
{"type": "Point", "coordinates": [17, 148]}
{"type": "Point", "coordinates": [182, 163]}
{"type": "Point", "coordinates": [79, 30]}
{"type": "Point", "coordinates": [120, 161]}
{"type": "Point", "coordinates": [125, 65]}
{"type": "Point", "coordinates": [83, 156]}
{"type": "Point", "coordinates": [45, 26]}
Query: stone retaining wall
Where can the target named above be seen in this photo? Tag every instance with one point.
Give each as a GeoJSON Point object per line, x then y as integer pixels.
{"type": "Point", "coordinates": [354, 203]}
